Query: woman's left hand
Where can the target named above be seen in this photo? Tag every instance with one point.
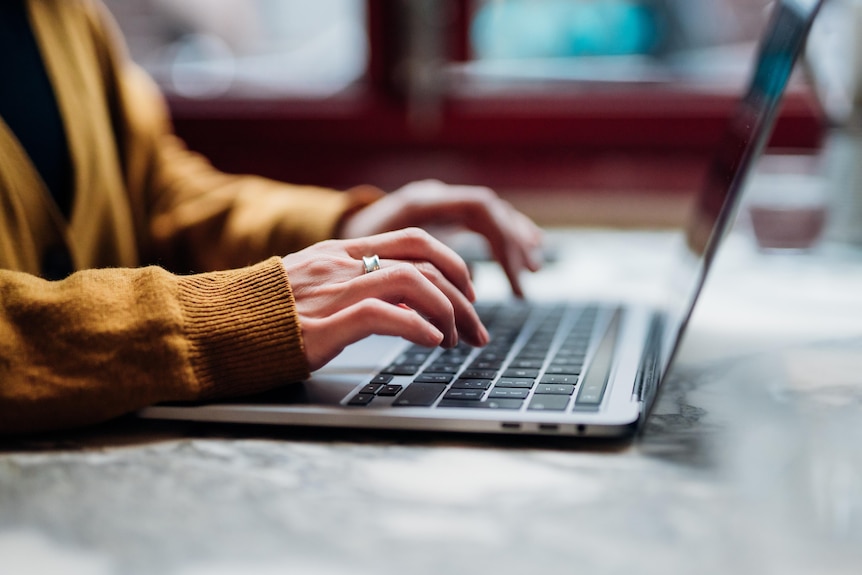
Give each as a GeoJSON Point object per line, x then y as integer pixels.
{"type": "Point", "coordinates": [515, 241]}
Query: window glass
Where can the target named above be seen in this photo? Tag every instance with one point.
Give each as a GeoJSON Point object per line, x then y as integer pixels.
{"type": "Point", "coordinates": [250, 48]}
{"type": "Point", "coordinates": [562, 28]}
{"type": "Point", "coordinates": [609, 40]}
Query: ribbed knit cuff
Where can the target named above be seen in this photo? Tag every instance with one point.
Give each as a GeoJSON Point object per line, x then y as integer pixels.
{"type": "Point", "coordinates": [243, 330]}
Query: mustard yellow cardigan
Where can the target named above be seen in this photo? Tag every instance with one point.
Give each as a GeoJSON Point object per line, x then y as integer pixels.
{"type": "Point", "coordinates": [116, 336]}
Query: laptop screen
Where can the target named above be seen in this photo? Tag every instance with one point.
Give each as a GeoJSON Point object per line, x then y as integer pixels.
{"type": "Point", "coordinates": [746, 134]}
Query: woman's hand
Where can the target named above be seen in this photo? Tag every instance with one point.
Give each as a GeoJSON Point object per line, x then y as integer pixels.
{"type": "Point", "coordinates": [422, 292]}
{"type": "Point", "coordinates": [515, 241]}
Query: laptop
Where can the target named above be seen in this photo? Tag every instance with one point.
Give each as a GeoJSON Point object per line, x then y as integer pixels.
{"type": "Point", "coordinates": [570, 368]}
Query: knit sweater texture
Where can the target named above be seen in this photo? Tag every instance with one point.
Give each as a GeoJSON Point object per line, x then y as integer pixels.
{"type": "Point", "coordinates": [123, 332]}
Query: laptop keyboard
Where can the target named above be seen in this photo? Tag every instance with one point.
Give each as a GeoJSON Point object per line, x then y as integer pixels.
{"type": "Point", "coordinates": [537, 360]}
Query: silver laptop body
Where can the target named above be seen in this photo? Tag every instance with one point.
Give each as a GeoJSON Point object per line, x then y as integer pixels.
{"type": "Point", "coordinates": [606, 362]}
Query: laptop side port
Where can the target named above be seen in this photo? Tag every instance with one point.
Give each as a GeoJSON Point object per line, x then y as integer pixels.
{"type": "Point", "coordinates": [510, 425]}
{"type": "Point", "coordinates": [549, 427]}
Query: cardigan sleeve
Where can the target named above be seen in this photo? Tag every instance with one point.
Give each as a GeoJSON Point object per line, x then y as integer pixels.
{"type": "Point", "coordinates": [107, 342]}
{"type": "Point", "coordinates": [191, 216]}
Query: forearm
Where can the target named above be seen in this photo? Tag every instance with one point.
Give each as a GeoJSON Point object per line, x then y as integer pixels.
{"type": "Point", "coordinates": [194, 217]}
{"type": "Point", "coordinates": [221, 221]}
{"type": "Point", "coordinates": [107, 342]}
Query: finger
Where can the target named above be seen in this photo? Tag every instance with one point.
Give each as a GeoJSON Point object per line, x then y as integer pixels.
{"type": "Point", "coordinates": [467, 322]}
{"type": "Point", "coordinates": [326, 337]}
{"type": "Point", "coordinates": [420, 286]}
{"type": "Point", "coordinates": [417, 245]}
{"type": "Point", "coordinates": [531, 237]}
{"type": "Point", "coordinates": [494, 221]}
{"type": "Point", "coordinates": [469, 325]}
{"type": "Point", "coordinates": [511, 236]}
{"type": "Point", "coordinates": [511, 259]}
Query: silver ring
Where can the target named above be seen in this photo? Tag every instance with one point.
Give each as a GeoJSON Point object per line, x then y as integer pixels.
{"type": "Point", "coordinates": [371, 263]}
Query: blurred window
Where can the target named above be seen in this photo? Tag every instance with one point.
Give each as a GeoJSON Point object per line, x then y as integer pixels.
{"type": "Point", "coordinates": [521, 95]}
{"type": "Point", "coordinates": [248, 48]}
{"type": "Point", "coordinates": [519, 29]}
{"type": "Point", "coordinates": [612, 40]}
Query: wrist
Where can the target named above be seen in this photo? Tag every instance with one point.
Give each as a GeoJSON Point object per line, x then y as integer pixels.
{"type": "Point", "coordinates": [359, 198]}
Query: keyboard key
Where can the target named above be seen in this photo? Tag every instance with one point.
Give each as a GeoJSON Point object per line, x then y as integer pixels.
{"type": "Point", "coordinates": [596, 378]}
{"type": "Point", "coordinates": [591, 394]}
{"type": "Point", "coordinates": [390, 390]}
{"type": "Point", "coordinates": [413, 357]}
{"type": "Point", "coordinates": [372, 388]}
{"type": "Point", "coordinates": [472, 384]}
{"type": "Point", "coordinates": [527, 363]}
{"type": "Point", "coordinates": [492, 355]}
{"type": "Point", "coordinates": [402, 369]}
{"type": "Point", "coordinates": [508, 393]}
{"type": "Point", "coordinates": [533, 352]}
{"type": "Point", "coordinates": [564, 369]}
{"type": "Point", "coordinates": [361, 399]}
{"type": "Point", "coordinates": [478, 374]}
{"type": "Point", "coordinates": [462, 349]}
{"type": "Point", "coordinates": [521, 373]}
{"type": "Point", "coordinates": [549, 403]}
{"type": "Point", "coordinates": [419, 395]}
{"type": "Point", "coordinates": [494, 364]}
{"type": "Point", "coordinates": [383, 378]}
{"type": "Point", "coordinates": [516, 382]}
{"type": "Point", "coordinates": [538, 344]}
{"type": "Point", "coordinates": [465, 394]}
{"type": "Point", "coordinates": [567, 358]}
{"type": "Point", "coordinates": [440, 367]}
{"type": "Point", "coordinates": [434, 378]}
{"type": "Point", "coordinates": [503, 403]}
{"type": "Point", "coordinates": [554, 378]}
{"type": "Point", "coordinates": [590, 397]}
{"type": "Point", "coordinates": [555, 389]}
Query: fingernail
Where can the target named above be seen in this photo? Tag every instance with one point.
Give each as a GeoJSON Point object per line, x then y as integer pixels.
{"type": "Point", "coordinates": [517, 290]}
{"type": "Point", "coordinates": [471, 292]}
{"type": "Point", "coordinates": [537, 259]}
{"type": "Point", "coordinates": [435, 336]}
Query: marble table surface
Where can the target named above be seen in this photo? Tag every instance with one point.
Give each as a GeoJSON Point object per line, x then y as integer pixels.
{"type": "Point", "coordinates": [752, 462]}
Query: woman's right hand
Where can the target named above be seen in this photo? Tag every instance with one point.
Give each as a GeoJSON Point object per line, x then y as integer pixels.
{"type": "Point", "coordinates": [422, 292]}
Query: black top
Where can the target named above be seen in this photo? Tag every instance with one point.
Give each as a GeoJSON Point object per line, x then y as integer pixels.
{"type": "Point", "coordinates": [28, 105]}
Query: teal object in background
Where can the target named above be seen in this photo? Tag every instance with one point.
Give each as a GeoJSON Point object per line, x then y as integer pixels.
{"type": "Point", "coordinates": [516, 29]}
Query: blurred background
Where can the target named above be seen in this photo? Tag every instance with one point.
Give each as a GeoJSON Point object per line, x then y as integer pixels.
{"type": "Point", "coordinates": [603, 110]}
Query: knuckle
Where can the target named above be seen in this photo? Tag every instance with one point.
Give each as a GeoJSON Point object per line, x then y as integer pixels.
{"type": "Point", "coordinates": [428, 270]}
{"type": "Point", "coordinates": [415, 236]}
{"type": "Point", "coordinates": [371, 311]}
{"type": "Point", "coordinates": [479, 195]}
{"type": "Point", "coordinates": [370, 306]}
{"type": "Point", "coordinates": [485, 194]}
{"type": "Point", "coordinates": [404, 273]}
{"type": "Point", "coordinates": [321, 268]}
{"type": "Point", "coordinates": [426, 183]}
{"type": "Point", "coordinates": [448, 309]}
